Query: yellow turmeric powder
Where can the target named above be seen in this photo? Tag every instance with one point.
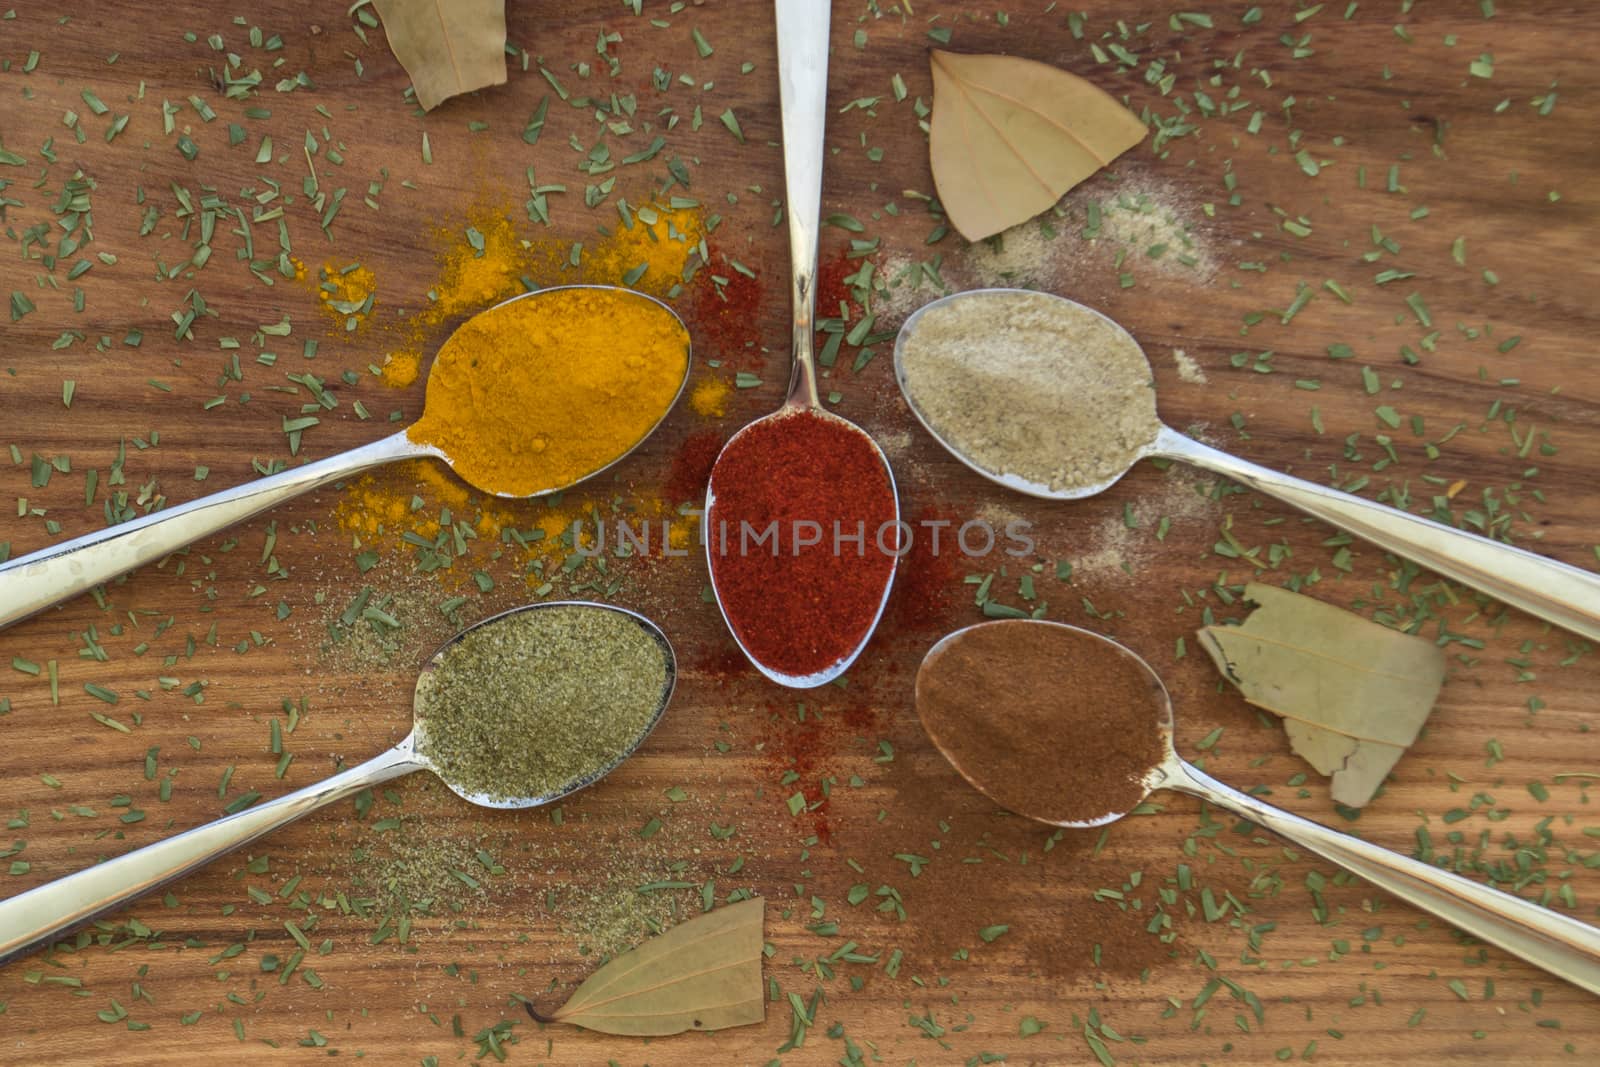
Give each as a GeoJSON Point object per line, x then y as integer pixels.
{"type": "Point", "coordinates": [648, 249]}
{"type": "Point", "coordinates": [485, 262]}
{"type": "Point", "coordinates": [347, 293]}
{"type": "Point", "coordinates": [710, 397]}
{"type": "Point", "coordinates": [541, 392]}
{"type": "Point", "coordinates": [480, 266]}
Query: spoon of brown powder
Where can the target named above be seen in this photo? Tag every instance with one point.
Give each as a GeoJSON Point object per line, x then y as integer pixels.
{"type": "Point", "coordinates": [1051, 398]}
{"type": "Point", "coordinates": [1072, 729]}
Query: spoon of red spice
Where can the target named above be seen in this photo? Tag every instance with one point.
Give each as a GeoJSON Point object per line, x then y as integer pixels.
{"type": "Point", "coordinates": [1072, 729]}
{"type": "Point", "coordinates": [802, 518]}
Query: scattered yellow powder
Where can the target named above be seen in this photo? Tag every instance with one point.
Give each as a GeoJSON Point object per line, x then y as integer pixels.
{"type": "Point", "coordinates": [400, 368]}
{"type": "Point", "coordinates": [480, 266]}
{"type": "Point", "coordinates": [382, 507]}
{"type": "Point", "coordinates": [709, 398]}
{"type": "Point", "coordinates": [390, 509]}
{"type": "Point", "coordinates": [347, 293]}
{"type": "Point", "coordinates": [647, 251]}
{"type": "Point", "coordinates": [485, 262]}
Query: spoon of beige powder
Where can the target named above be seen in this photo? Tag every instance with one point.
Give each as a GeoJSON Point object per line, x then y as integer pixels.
{"type": "Point", "coordinates": [1051, 398]}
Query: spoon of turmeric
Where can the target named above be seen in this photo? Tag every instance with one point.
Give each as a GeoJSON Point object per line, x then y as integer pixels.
{"type": "Point", "coordinates": [553, 357]}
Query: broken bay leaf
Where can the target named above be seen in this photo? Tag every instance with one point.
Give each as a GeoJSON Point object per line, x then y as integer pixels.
{"type": "Point", "coordinates": [447, 46]}
{"type": "Point", "coordinates": [1353, 693]}
{"type": "Point", "coordinates": [704, 974]}
{"type": "Point", "coordinates": [1010, 136]}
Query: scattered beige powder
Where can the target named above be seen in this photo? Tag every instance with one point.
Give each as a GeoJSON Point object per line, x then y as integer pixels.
{"type": "Point", "coordinates": [1022, 257]}
{"type": "Point", "coordinates": [1116, 547]}
{"type": "Point", "coordinates": [900, 285]}
{"type": "Point", "coordinates": [1144, 221]}
{"type": "Point", "coordinates": [1033, 386]}
{"type": "Point", "coordinates": [1188, 369]}
{"type": "Point", "coordinates": [1149, 219]}
{"type": "Point", "coordinates": [894, 442]}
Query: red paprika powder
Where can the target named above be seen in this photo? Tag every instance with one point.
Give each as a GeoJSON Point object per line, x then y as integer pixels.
{"type": "Point", "coordinates": [691, 467]}
{"type": "Point", "coordinates": [799, 608]}
{"type": "Point", "coordinates": [726, 319]}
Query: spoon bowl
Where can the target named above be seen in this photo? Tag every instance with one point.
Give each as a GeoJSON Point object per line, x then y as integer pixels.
{"type": "Point", "coordinates": [35, 918]}
{"type": "Point", "coordinates": [656, 306]}
{"type": "Point", "coordinates": [486, 800]}
{"type": "Point", "coordinates": [1561, 945]}
{"type": "Point", "coordinates": [33, 582]}
{"type": "Point", "coordinates": [1008, 479]}
{"type": "Point", "coordinates": [1557, 592]}
{"type": "Point", "coordinates": [838, 667]}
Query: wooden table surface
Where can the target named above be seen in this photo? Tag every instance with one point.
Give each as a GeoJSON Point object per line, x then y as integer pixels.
{"type": "Point", "coordinates": [1270, 954]}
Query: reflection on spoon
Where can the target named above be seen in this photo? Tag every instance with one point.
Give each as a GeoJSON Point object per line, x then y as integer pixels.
{"type": "Point", "coordinates": [571, 373]}
{"type": "Point", "coordinates": [1052, 721]}
{"type": "Point", "coordinates": [34, 918]}
{"type": "Point", "coordinates": [1087, 372]}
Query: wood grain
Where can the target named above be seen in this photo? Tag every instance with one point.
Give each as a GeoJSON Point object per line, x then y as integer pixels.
{"type": "Point", "coordinates": [1359, 977]}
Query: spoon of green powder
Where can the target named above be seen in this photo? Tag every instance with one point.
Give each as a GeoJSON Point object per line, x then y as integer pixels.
{"type": "Point", "coordinates": [1051, 398]}
{"type": "Point", "coordinates": [516, 711]}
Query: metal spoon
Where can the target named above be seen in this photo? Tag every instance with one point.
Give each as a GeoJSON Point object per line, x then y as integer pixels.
{"type": "Point", "coordinates": [1554, 591]}
{"type": "Point", "coordinates": [1563, 946]}
{"type": "Point", "coordinates": [33, 582]}
{"type": "Point", "coordinates": [803, 99]}
{"type": "Point", "coordinates": [35, 918]}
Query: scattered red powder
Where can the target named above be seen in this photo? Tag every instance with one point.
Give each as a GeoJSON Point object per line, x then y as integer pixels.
{"type": "Point", "coordinates": [921, 597]}
{"type": "Point", "coordinates": [726, 320]}
{"type": "Point", "coordinates": [691, 467]}
{"type": "Point", "coordinates": [831, 286]}
{"type": "Point", "coordinates": [801, 747]}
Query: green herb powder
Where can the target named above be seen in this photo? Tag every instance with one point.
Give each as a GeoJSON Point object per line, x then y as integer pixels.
{"type": "Point", "coordinates": [534, 702]}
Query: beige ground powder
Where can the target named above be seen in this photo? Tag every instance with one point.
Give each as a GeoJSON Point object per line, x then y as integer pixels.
{"type": "Point", "coordinates": [1030, 385]}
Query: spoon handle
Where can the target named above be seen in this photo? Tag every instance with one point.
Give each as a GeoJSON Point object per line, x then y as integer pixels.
{"type": "Point", "coordinates": [1561, 945]}
{"type": "Point", "coordinates": [803, 105]}
{"type": "Point", "coordinates": [35, 918]}
{"type": "Point", "coordinates": [1557, 592]}
{"type": "Point", "coordinates": [33, 582]}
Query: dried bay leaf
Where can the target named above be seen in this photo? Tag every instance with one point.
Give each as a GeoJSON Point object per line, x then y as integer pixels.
{"type": "Point", "coordinates": [447, 46]}
{"type": "Point", "coordinates": [1353, 694]}
{"type": "Point", "coordinates": [1010, 136]}
{"type": "Point", "coordinates": [704, 974]}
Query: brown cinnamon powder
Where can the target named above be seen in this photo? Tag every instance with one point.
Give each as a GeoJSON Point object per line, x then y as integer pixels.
{"type": "Point", "coordinates": [1049, 721]}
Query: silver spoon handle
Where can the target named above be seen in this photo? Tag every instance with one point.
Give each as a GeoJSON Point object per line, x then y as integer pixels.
{"type": "Point", "coordinates": [35, 918]}
{"type": "Point", "coordinates": [33, 582]}
{"type": "Point", "coordinates": [1561, 945]}
{"type": "Point", "coordinates": [1557, 592]}
{"type": "Point", "coordinates": [803, 105]}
